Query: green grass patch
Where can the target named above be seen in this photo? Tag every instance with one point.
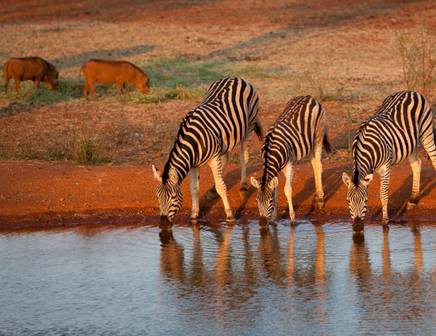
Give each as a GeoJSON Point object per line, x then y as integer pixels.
{"type": "Point", "coordinates": [180, 72]}
{"type": "Point", "coordinates": [67, 90]}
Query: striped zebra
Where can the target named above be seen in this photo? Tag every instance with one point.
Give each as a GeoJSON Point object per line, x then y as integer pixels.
{"type": "Point", "coordinates": [300, 131]}
{"type": "Point", "coordinates": [224, 119]}
{"type": "Point", "coordinates": [390, 136]}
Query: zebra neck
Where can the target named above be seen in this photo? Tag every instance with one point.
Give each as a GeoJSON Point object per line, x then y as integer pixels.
{"type": "Point", "coordinates": [271, 169]}
{"type": "Point", "coordinates": [368, 156]}
{"type": "Point", "coordinates": [362, 168]}
{"type": "Point", "coordinates": [177, 163]}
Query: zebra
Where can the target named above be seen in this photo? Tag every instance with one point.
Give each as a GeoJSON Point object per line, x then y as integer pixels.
{"type": "Point", "coordinates": [300, 131]}
{"type": "Point", "coordinates": [224, 119]}
{"type": "Point", "coordinates": [390, 136]}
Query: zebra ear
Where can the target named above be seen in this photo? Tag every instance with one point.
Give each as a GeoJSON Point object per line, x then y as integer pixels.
{"type": "Point", "coordinates": [156, 173]}
{"type": "Point", "coordinates": [368, 178]}
{"type": "Point", "coordinates": [274, 182]}
{"type": "Point", "coordinates": [346, 179]}
{"type": "Point", "coordinates": [254, 183]}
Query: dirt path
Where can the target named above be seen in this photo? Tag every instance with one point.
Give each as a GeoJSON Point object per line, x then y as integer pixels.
{"type": "Point", "coordinates": [41, 194]}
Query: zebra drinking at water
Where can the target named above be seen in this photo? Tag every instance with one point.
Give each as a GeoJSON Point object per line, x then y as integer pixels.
{"type": "Point", "coordinates": [225, 118]}
{"type": "Point", "coordinates": [299, 131]}
{"type": "Point", "coordinates": [390, 136]}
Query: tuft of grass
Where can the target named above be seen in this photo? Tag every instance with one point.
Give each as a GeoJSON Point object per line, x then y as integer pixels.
{"type": "Point", "coordinates": [417, 52]}
{"type": "Point", "coordinates": [86, 151]}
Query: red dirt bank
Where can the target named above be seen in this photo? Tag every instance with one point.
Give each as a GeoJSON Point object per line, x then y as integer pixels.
{"type": "Point", "coordinates": [41, 194]}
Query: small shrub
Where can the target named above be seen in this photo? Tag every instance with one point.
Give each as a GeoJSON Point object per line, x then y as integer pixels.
{"type": "Point", "coordinates": [417, 53]}
{"type": "Point", "coordinates": [85, 151]}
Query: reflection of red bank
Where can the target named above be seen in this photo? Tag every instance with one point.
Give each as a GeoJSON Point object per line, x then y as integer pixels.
{"type": "Point", "coordinates": [58, 194]}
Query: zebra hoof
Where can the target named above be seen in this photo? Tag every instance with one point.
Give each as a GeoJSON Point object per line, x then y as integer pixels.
{"type": "Point", "coordinates": [385, 228]}
{"type": "Point", "coordinates": [230, 219]}
{"type": "Point", "coordinates": [410, 205]}
{"type": "Point", "coordinates": [318, 203]}
{"type": "Point", "coordinates": [385, 221]}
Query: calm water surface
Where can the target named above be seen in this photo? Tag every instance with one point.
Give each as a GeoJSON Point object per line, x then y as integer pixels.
{"type": "Point", "coordinates": [219, 280]}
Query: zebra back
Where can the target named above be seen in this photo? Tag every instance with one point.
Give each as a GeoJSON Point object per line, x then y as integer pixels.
{"type": "Point", "coordinates": [292, 136]}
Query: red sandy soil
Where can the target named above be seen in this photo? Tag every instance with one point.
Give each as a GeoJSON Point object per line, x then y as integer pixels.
{"type": "Point", "coordinates": [41, 194]}
{"type": "Point", "coordinates": [351, 39]}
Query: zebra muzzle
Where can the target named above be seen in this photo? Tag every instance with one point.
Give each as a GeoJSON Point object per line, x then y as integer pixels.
{"type": "Point", "coordinates": [165, 223]}
{"type": "Point", "coordinates": [263, 221]}
{"type": "Point", "coordinates": [358, 224]}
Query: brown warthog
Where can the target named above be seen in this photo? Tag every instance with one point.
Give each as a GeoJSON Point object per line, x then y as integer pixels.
{"type": "Point", "coordinates": [108, 72]}
{"type": "Point", "coordinates": [35, 69]}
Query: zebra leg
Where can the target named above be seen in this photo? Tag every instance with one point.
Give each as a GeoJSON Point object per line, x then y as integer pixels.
{"type": "Point", "coordinates": [244, 156]}
{"type": "Point", "coordinates": [415, 164]}
{"type": "Point", "coordinates": [317, 172]}
{"type": "Point", "coordinates": [288, 191]}
{"type": "Point", "coordinates": [194, 182]}
{"type": "Point", "coordinates": [276, 205]}
{"type": "Point", "coordinates": [385, 175]}
{"type": "Point", "coordinates": [215, 165]}
{"type": "Point", "coordinates": [212, 192]}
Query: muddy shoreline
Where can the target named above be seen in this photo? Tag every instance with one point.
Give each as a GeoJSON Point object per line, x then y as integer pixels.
{"type": "Point", "coordinates": [45, 195]}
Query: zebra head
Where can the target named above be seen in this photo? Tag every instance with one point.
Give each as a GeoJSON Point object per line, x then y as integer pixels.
{"type": "Point", "coordinates": [357, 197]}
{"type": "Point", "coordinates": [266, 200]}
{"type": "Point", "coordinates": [169, 195]}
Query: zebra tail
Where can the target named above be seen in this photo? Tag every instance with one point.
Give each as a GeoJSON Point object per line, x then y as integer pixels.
{"type": "Point", "coordinates": [326, 143]}
{"type": "Point", "coordinates": [258, 130]}
{"type": "Point", "coordinates": [434, 140]}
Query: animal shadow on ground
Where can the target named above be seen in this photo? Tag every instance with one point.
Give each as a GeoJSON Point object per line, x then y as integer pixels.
{"type": "Point", "coordinates": [210, 197]}
{"type": "Point", "coordinates": [331, 183]}
{"type": "Point", "coordinates": [399, 199]}
{"type": "Point", "coordinates": [14, 108]}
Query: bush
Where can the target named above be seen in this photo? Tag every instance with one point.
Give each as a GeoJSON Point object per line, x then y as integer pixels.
{"type": "Point", "coordinates": [417, 53]}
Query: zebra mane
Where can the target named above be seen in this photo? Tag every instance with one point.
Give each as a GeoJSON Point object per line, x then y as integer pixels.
{"type": "Point", "coordinates": [180, 134]}
{"type": "Point", "coordinates": [355, 177]}
{"type": "Point", "coordinates": [360, 134]}
{"type": "Point", "coordinates": [265, 149]}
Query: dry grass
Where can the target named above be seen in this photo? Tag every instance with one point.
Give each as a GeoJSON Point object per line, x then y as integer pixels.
{"type": "Point", "coordinates": [417, 50]}
{"type": "Point", "coordinates": [343, 57]}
